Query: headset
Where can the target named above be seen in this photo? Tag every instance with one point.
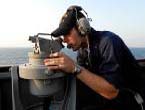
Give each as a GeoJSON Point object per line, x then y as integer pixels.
{"type": "Point", "coordinates": [83, 24]}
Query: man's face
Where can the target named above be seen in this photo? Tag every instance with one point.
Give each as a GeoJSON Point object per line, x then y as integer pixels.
{"type": "Point", "coordinates": [73, 39]}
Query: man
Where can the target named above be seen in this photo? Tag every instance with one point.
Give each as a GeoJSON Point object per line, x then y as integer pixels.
{"type": "Point", "coordinates": [104, 65]}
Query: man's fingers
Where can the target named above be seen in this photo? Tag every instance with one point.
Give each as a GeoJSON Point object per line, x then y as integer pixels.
{"type": "Point", "coordinates": [46, 60]}
{"type": "Point", "coordinates": [53, 61]}
{"type": "Point", "coordinates": [53, 67]}
{"type": "Point", "coordinates": [56, 67]}
{"type": "Point", "coordinates": [56, 54]}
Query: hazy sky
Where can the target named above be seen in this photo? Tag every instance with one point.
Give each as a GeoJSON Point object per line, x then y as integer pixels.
{"type": "Point", "coordinates": [21, 18]}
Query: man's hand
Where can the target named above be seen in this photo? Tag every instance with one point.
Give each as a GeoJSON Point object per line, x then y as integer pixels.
{"type": "Point", "coordinates": [60, 61]}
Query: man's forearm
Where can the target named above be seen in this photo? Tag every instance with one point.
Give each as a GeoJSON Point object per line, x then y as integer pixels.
{"type": "Point", "coordinates": [98, 84]}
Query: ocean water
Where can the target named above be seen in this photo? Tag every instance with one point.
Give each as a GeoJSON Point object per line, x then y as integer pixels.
{"type": "Point", "coordinates": [13, 56]}
{"type": "Point", "coordinates": [139, 53]}
{"type": "Point", "coordinates": [16, 56]}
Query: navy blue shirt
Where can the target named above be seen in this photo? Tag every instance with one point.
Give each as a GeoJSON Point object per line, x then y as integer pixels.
{"type": "Point", "coordinates": [110, 58]}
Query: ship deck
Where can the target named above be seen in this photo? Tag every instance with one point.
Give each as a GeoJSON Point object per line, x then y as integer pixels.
{"type": "Point", "coordinates": [6, 88]}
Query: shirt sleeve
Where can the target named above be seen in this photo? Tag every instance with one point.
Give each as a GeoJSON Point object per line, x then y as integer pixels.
{"type": "Point", "coordinates": [111, 54]}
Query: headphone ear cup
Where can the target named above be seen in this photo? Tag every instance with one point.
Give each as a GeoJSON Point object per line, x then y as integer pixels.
{"type": "Point", "coordinates": [84, 26]}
